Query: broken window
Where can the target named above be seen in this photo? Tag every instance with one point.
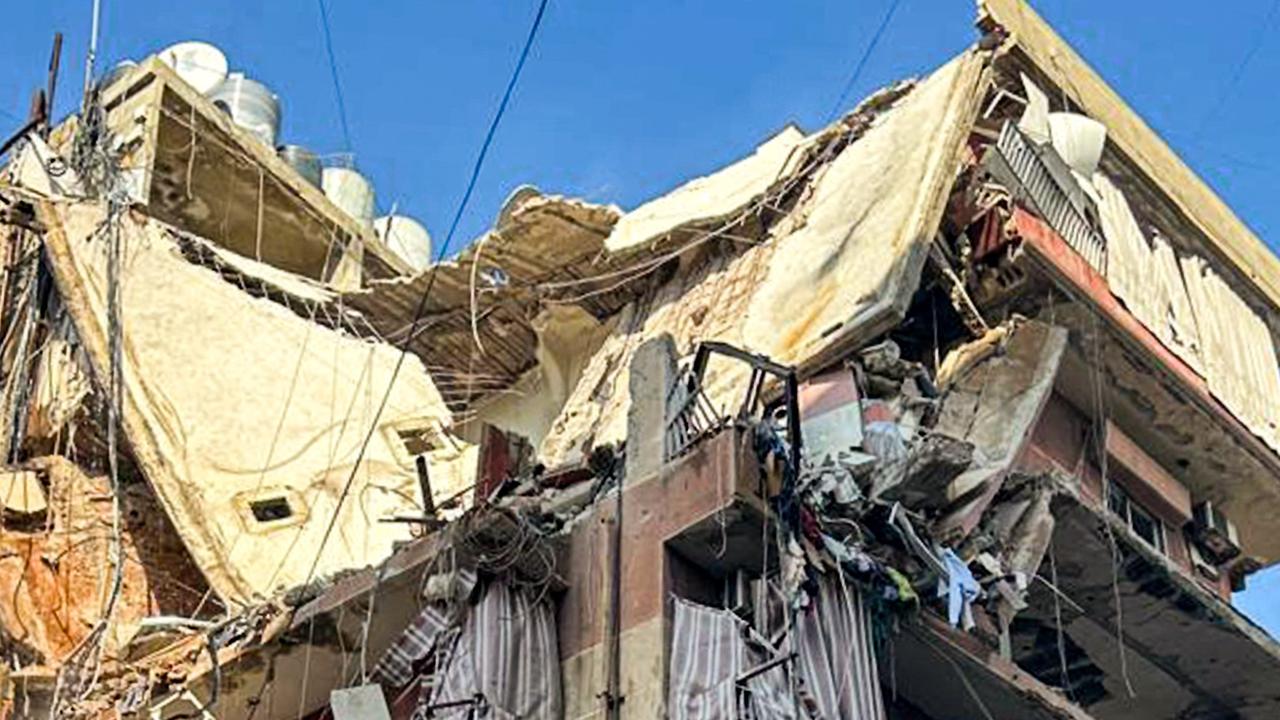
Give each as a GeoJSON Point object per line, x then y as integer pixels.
{"type": "Point", "coordinates": [1141, 521]}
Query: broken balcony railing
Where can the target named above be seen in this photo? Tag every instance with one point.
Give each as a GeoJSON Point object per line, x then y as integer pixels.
{"type": "Point", "coordinates": [692, 416]}
{"type": "Point", "coordinates": [1036, 177]}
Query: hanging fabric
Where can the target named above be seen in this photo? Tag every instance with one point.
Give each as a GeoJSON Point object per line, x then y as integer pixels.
{"type": "Point", "coordinates": [837, 663]}
{"type": "Point", "coordinates": [505, 664]}
{"type": "Point", "coordinates": [709, 653]}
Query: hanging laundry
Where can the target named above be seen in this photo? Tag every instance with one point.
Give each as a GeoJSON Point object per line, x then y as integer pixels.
{"type": "Point", "coordinates": [960, 589]}
{"type": "Point", "coordinates": [902, 585]}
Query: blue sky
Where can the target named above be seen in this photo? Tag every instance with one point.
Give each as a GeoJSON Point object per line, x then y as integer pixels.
{"type": "Point", "coordinates": [622, 101]}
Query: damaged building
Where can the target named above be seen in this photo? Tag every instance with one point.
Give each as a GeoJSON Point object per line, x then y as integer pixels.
{"type": "Point", "coordinates": [966, 405]}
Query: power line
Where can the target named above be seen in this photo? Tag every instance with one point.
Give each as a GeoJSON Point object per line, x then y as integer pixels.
{"type": "Point", "coordinates": [333, 71]}
{"type": "Point", "coordinates": [1264, 31]}
{"type": "Point", "coordinates": [431, 281]}
{"type": "Point", "coordinates": [862, 61]}
{"type": "Point", "coordinates": [488, 138]}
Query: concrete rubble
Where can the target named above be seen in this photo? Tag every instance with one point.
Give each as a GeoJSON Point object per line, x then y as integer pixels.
{"type": "Point", "coordinates": [888, 420]}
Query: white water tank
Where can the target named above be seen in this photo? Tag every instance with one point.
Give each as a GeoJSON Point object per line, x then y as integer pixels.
{"type": "Point", "coordinates": [407, 238]}
{"type": "Point", "coordinates": [350, 191]}
{"type": "Point", "coordinates": [251, 105]}
{"type": "Point", "coordinates": [202, 65]}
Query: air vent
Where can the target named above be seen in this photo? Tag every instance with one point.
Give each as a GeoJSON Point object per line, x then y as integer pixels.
{"type": "Point", "coordinates": [1214, 534]}
{"type": "Point", "coordinates": [271, 509]}
{"type": "Point", "coordinates": [419, 440]}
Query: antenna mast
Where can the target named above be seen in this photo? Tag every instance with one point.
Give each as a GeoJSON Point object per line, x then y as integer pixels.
{"type": "Point", "coordinates": [93, 49]}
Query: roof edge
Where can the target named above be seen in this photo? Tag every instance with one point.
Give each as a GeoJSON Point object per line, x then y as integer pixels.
{"type": "Point", "coordinates": [1229, 237]}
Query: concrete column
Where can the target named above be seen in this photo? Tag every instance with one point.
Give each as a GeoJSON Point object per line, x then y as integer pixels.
{"type": "Point", "coordinates": [643, 656]}
{"type": "Point", "coordinates": [653, 373]}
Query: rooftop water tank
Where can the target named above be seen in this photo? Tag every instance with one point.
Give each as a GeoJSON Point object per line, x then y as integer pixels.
{"type": "Point", "coordinates": [407, 238]}
{"type": "Point", "coordinates": [303, 161]}
{"type": "Point", "coordinates": [251, 105]}
{"type": "Point", "coordinates": [202, 65]}
{"type": "Point", "coordinates": [350, 191]}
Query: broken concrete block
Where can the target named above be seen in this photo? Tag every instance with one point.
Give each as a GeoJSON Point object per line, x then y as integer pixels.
{"type": "Point", "coordinates": [567, 502]}
{"type": "Point", "coordinates": [921, 481]}
{"type": "Point", "coordinates": [1032, 535]}
{"type": "Point", "coordinates": [886, 359]}
{"type": "Point", "coordinates": [997, 386]}
{"type": "Point", "coordinates": [365, 702]}
{"type": "Point", "coordinates": [1005, 516]}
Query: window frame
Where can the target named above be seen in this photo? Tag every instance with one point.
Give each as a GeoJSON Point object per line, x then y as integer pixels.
{"type": "Point", "coordinates": [1121, 504]}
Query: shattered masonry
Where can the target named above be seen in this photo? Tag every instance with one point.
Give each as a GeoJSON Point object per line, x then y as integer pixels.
{"type": "Point", "coordinates": [965, 405]}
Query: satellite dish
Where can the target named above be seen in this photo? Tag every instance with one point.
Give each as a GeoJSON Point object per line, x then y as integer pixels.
{"type": "Point", "coordinates": [200, 64]}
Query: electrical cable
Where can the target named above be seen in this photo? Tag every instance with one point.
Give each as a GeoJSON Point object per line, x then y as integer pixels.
{"type": "Point", "coordinates": [862, 61]}
{"type": "Point", "coordinates": [333, 71]}
{"type": "Point", "coordinates": [1264, 31]}
{"type": "Point", "coordinates": [422, 300]}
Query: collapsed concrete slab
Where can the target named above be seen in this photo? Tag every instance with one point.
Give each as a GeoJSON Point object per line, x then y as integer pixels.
{"type": "Point", "coordinates": [246, 419]}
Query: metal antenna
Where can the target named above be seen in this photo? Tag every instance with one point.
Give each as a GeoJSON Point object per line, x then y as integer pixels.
{"type": "Point", "coordinates": [93, 49]}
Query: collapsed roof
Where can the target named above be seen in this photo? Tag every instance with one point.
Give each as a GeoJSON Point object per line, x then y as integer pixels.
{"type": "Point", "coordinates": [246, 418]}
{"type": "Point", "coordinates": [248, 390]}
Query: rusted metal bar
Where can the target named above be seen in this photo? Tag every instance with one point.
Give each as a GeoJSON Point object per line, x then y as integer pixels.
{"type": "Point", "coordinates": [55, 60]}
{"type": "Point", "coordinates": [424, 484]}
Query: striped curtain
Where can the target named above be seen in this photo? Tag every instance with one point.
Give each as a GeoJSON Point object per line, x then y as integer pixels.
{"type": "Point", "coordinates": [396, 668]}
{"type": "Point", "coordinates": [505, 662]}
{"type": "Point", "coordinates": [834, 672]}
{"type": "Point", "coordinates": [709, 652]}
{"type": "Point", "coordinates": [837, 654]}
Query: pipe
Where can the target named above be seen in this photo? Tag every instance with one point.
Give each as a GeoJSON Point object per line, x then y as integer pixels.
{"type": "Point", "coordinates": [173, 621]}
{"type": "Point", "coordinates": [93, 50]}
{"type": "Point", "coordinates": [424, 484]}
{"type": "Point", "coordinates": [55, 61]}
{"type": "Point", "coordinates": [612, 695]}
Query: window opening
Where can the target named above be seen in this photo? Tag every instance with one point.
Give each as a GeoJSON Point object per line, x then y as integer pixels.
{"type": "Point", "coordinates": [418, 441]}
{"type": "Point", "coordinates": [271, 509]}
{"type": "Point", "coordinates": [1141, 521]}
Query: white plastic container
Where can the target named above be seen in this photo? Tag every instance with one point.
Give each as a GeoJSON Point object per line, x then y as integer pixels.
{"type": "Point", "coordinates": [202, 65]}
{"type": "Point", "coordinates": [407, 238]}
{"type": "Point", "coordinates": [350, 191]}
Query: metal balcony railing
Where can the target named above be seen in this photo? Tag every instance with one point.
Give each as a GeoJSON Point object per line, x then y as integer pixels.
{"type": "Point", "coordinates": [1040, 180]}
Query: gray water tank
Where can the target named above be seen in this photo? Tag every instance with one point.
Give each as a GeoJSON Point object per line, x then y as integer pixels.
{"type": "Point", "coordinates": [302, 160]}
{"type": "Point", "coordinates": [251, 105]}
